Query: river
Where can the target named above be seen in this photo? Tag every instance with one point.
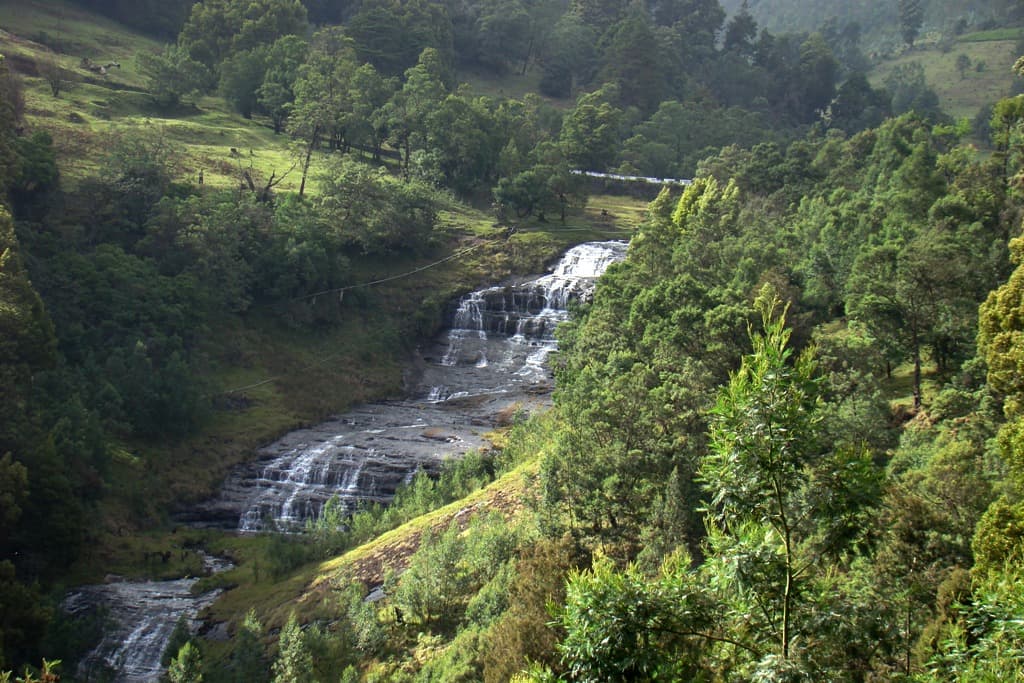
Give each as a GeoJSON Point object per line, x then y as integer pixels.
{"type": "Point", "coordinates": [487, 367]}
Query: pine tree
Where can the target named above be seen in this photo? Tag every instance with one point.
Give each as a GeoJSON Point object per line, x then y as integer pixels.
{"type": "Point", "coordinates": [294, 662]}
{"type": "Point", "coordinates": [911, 19]}
{"type": "Point", "coordinates": [187, 667]}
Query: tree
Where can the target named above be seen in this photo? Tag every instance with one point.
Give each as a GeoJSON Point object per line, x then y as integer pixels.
{"type": "Point", "coordinates": [1004, 124]}
{"type": "Point", "coordinates": [633, 61]}
{"type": "Point", "coordinates": [247, 658]}
{"type": "Point", "coordinates": [819, 71]}
{"type": "Point", "coordinates": [505, 33]}
{"type": "Point", "coordinates": [462, 133]}
{"type": "Point", "coordinates": [409, 109]}
{"type": "Point", "coordinates": [187, 666]}
{"type": "Point", "coordinates": [276, 94]}
{"type": "Point", "coordinates": [392, 35]}
{"type": "Point", "coordinates": [322, 94]}
{"type": "Point", "coordinates": [764, 440]}
{"type": "Point", "coordinates": [369, 93]}
{"type": "Point", "coordinates": [53, 73]}
{"type": "Point", "coordinates": [172, 74]}
{"type": "Point", "coordinates": [741, 31]}
{"type": "Point", "coordinates": [904, 294]}
{"type": "Point", "coordinates": [591, 131]}
{"type": "Point", "coordinates": [12, 106]}
{"type": "Point", "coordinates": [857, 106]}
{"type": "Point", "coordinates": [598, 14]}
{"type": "Point", "coordinates": [241, 75]}
{"type": "Point", "coordinates": [625, 626]}
{"type": "Point", "coordinates": [431, 588]}
{"type": "Point", "coordinates": [374, 211]}
{"type": "Point", "coordinates": [541, 189]}
{"type": "Point", "coordinates": [766, 603]}
{"type": "Point", "coordinates": [963, 63]}
{"type": "Point", "coordinates": [218, 28]}
{"type": "Point", "coordinates": [910, 91]}
{"type": "Point", "coordinates": [569, 57]}
{"type": "Point", "coordinates": [294, 663]}
{"type": "Point", "coordinates": [911, 19]}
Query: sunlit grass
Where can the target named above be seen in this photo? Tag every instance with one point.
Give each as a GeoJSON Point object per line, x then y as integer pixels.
{"type": "Point", "coordinates": [961, 97]}
{"type": "Point", "coordinates": [264, 375]}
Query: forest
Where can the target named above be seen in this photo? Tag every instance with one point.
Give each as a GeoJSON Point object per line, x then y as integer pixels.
{"type": "Point", "coordinates": [787, 433]}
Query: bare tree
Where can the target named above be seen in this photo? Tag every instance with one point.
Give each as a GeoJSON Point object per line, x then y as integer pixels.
{"type": "Point", "coordinates": [51, 71]}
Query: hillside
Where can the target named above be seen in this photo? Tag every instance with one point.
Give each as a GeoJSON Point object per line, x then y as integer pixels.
{"type": "Point", "coordinates": [878, 19]}
{"type": "Point", "coordinates": [961, 94]}
{"type": "Point", "coordinates": [784, 436]}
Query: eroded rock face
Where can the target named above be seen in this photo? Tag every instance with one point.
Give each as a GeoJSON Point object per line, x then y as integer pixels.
{"type": "Point", "coordinates": [139, 618]}
{"type": "Point", "coordinates": [491, 363]}
{"type": "Point", "coordinates": [360, 457]}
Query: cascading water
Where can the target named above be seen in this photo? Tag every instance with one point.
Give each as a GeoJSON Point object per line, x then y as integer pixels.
{"type": "Point", "coordinates": [140, 617]}
{"type": "Point", "coordinates": [490, 361]}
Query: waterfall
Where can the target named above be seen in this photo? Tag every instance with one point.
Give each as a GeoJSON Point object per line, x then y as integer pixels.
{"type": "Point", "coordinates": [491, 361]}
{"type": "Point", "coordinates": [141, 615]}
{"type": "Point", "coordinates": [512, 327]}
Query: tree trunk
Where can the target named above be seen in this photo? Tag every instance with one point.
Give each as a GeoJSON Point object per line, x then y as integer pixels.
{"type": "Point", "coordinates": [917, 375]}
{"type": "Point", "coordinates": [306, 162]}
{"type": "Point", "coordinates": [526, 59]}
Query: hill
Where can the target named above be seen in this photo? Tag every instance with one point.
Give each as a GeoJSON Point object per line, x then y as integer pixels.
{"type": "Point", "coordinates": [171, 299]}
{"type": "Point", "coordinates": [878, 19]}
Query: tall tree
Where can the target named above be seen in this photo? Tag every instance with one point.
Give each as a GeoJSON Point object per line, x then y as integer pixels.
{"type": "Point", "coordinates": [276, 93]}
{"type": "Point", "coordinates": [217, 28]}
{"type": "Point", "coordinates": [741, 31]}
{"type": "Point", "coordinates": [172, 75]}
{"type": "Point", "coordinates": [903, 294]}
{"type": "Point", "coordinates": [322, 95]}
{"type": "Point", "coordinates": [632, 60]}
{"type": "Point", "coordinates": [294, 663]}
{"type": "Point", "coordinates": [410, 108]}
{"type": "Point", "coordinates": [911, 20]}
{"type": "Point", "coordinates": [591, 132]}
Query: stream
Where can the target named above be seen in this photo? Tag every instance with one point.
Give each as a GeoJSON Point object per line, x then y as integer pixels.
{"type": "Point", "coordinates": [140, 617]}
{"type": "Point", "coordinates": [488, 367]}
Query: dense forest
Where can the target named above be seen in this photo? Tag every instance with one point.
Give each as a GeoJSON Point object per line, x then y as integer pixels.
{"type": "Point", "coordinates": [786, 436]}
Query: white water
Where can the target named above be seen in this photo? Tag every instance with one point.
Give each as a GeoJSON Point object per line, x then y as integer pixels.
{"type": "Point", "coordinates": [140, 615]}
{"type": "Point", "coordinates": [492, 361]}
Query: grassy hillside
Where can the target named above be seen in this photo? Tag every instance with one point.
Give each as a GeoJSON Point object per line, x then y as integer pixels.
{"type": "Point", "coordinates": [265, 374]}
{"type": "Point", "coordinates": [988, 79]}
{"type": "Point", "coordinates": [92, 107]}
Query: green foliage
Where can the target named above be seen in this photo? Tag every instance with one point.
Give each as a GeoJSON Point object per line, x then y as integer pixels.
{"type": "Point", "coordinates": [910, 91]}
{"type": "Point", "coordinates": [374, 211]}
{"type": "Point", "coordinates": [241, 75]}
{"type": "Point", "coordinates": [217, 29]}
{"type": "Point", "coordinates": [450, 567]}
{"type": "Point", "coordinates": [525, 632]}
{"type": "Point", "coordinates": [911, 18]}
{"type": "Point", "coordinates": [187, 666]}
{"type": "Point", "coordinates": [247, 659]}
{"type": "Point", "coordinates": [986, 642]}
{"type": "Point", "coordinates": [624, 626]}
{"type": "Point", "coordinates": [591, 131]}
{"type": "Point", "coordinates": [173, 75]}
{"type": "Point", "coordinates": [275, 94]}
{"type": "Point", "coordinates": [24, 618]}
{"type": "Point", "coordinates": [392, 36]}
{"type": "Point", "coordinates": [294, 663]}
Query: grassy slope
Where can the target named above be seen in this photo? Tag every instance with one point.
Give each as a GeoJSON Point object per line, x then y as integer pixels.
{"type": "Point", "coordinates": [268, 377]}
{"type": "Point", "coordinates": [961, 97]}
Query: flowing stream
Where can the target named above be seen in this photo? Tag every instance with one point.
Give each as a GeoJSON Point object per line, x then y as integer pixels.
{"type": "Point", "coordinates": [139, 619]}
{"type": "Point", "coordinates": [488, 366]}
